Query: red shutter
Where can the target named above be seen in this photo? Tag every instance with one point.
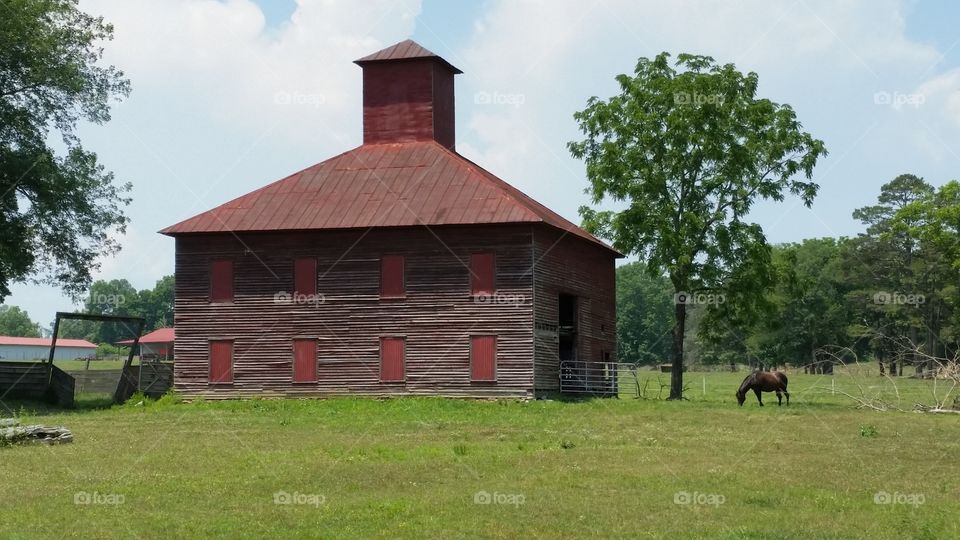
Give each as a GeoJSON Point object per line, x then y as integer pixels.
{"type": "Point", "coordinates": [304, 360]}
{"type": "Point", "coordinates": [483, 358]}
{"type": "Point", "coordinates": [305, 276]}
{"type": "Point", "coordinates": [391, 359]}
{"type": "Point", "coordinates": [482, 274]}
{"type": "Point", "coordinates": [221, 281]}
{"type": "Point", "coordinates": [391, 276]}
{"type": "Point", "coordinates": [221, 362]}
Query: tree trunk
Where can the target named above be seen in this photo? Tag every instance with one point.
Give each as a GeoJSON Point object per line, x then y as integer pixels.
{"type": "Point", "coordinates": [914, 354]}
{"type": "Point", "coordinates": [813, 358]}
{"type": "Point", "coordinates": [676, 371]}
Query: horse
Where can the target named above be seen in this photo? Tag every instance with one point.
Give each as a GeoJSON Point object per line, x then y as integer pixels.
{"type": "Point", "coordinates": [764, 381]}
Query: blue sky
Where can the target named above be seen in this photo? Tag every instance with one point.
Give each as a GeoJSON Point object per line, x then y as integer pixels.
{"type": "Point", "coordinates": [204, 123]}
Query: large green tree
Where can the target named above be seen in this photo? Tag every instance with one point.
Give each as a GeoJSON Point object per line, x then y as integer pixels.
{"type": "Point", "coordinates": [15, 322]}
{"type": "Point", "coordinates": [57, 210]}
{"type": "Point", "coordinates": [885, 263]}
{"type": "Point", "coordinates": [685, 149]}
{"type": "Point", "coordinates": [933, 222]}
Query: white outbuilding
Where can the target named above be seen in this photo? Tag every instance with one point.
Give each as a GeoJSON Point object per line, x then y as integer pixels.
{"type": "Point", "coordinates": [28, 349]}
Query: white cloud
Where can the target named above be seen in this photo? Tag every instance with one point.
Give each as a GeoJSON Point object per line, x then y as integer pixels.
{"type": "Point", "coordinates": [215, 60]}
{"type": "Point", "coordinates": [208, 118]}
{"type": "Point", "coordinates": [943, 94]}
{"type": "Point", "coordinates": [222, 105]}
{"type": "Point", "coordinates": [827, 59]}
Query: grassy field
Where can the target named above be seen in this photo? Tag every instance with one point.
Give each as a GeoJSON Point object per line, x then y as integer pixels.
{"type": "Point", "coordinates": [426, 467]}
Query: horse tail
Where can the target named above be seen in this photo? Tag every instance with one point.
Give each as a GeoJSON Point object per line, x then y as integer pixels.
{"type": "Point", "coordinates": [783, 378]}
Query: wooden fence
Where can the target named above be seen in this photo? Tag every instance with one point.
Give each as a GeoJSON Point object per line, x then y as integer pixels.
{"type": "Point", "coordinates": [26, 380]}
{"type": "Point", "coordinates": [156, 377]}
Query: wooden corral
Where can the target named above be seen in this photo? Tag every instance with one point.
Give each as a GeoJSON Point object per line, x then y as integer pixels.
{"type": "Point", "coordinates": [156, 377]}
{"type": "Point", "coordinates": [28, 380]}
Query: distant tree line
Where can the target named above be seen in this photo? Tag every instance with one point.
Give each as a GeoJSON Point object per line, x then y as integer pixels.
{"type": "Point", "coordinates": [889, 295]}
{"type": "Point", "coordinates": [114, 297]}
{"type": "Point", "coordinates": [119, 297]}
{"type": "Point", "coordinates": [16, 322]}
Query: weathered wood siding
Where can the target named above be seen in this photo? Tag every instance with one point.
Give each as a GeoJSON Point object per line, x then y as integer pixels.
{"type": "Point", "coordinates": [569, 265]}
{"type": "Point", "coordinates": [437, 316]}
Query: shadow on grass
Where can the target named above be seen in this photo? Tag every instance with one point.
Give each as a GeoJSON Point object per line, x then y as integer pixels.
{"type": "Point", "coordinates": [29, 407]}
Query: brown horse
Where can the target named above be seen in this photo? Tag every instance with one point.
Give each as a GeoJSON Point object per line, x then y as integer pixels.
{"type": "Point", "coordinates": [764, 381]}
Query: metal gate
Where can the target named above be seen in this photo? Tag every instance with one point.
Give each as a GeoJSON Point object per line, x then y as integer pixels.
{"type": "Point", "coordinates": [589, 378]}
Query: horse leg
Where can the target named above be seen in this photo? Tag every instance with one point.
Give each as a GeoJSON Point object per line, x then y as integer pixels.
{"type": "Point", "coordinates": [787, 394]}
{"type": "Point", "coordinates": [757, 392]}
{"type": "Point", "coordinates": [779, 398]}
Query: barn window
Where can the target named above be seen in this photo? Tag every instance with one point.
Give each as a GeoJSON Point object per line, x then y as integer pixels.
{"type": "Point", "coordinates": [221, 362]}
{"type": "Point", "coordinates": [221, 280]}
{"type": "Point", "coordinates": [483, 358]}
{"type": "Point", "coordinates": [482, 274]}
{"type": "Point", "coordinates": [392, 368]}
{"type": "Point", "coordinates": [392, 277]}
{"type": "Point", "coordinates": [305, 276]}
{"type": "Point", "coordinates": [304, 360]}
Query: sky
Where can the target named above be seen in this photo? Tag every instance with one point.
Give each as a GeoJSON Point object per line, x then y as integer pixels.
{"type": "Point", "coordinates": [229, 95]}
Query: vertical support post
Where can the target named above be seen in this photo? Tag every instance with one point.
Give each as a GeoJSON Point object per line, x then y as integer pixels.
{"type": "Point", "coordinates": [53, 348]}
{"type": "Point", "coordinates": [123, 392]}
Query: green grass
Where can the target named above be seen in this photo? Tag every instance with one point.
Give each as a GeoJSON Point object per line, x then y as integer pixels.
{"type": "Point", "coordinates": [414, 467]}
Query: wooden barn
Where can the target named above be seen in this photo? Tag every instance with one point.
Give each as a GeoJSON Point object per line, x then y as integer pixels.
{"type": "Point", "coordinates": [398, 267]}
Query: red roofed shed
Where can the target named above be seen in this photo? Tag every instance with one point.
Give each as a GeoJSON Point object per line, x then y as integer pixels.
{"type": "Point", "coordinates": [156, 344]}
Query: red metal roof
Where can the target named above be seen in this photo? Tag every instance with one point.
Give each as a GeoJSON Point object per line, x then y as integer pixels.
{"type": "Point", "coordinates": [45, 342]}
{"type": "Point", "coordinates": [160, 335]}
{"type": "Point", "coordinates": [405, 50]}
{"type": "Point", "coordinates": [380, 185]}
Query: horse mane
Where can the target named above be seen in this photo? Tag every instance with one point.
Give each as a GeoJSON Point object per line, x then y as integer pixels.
{"type": "Point", "coordinates": [747, 382]}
